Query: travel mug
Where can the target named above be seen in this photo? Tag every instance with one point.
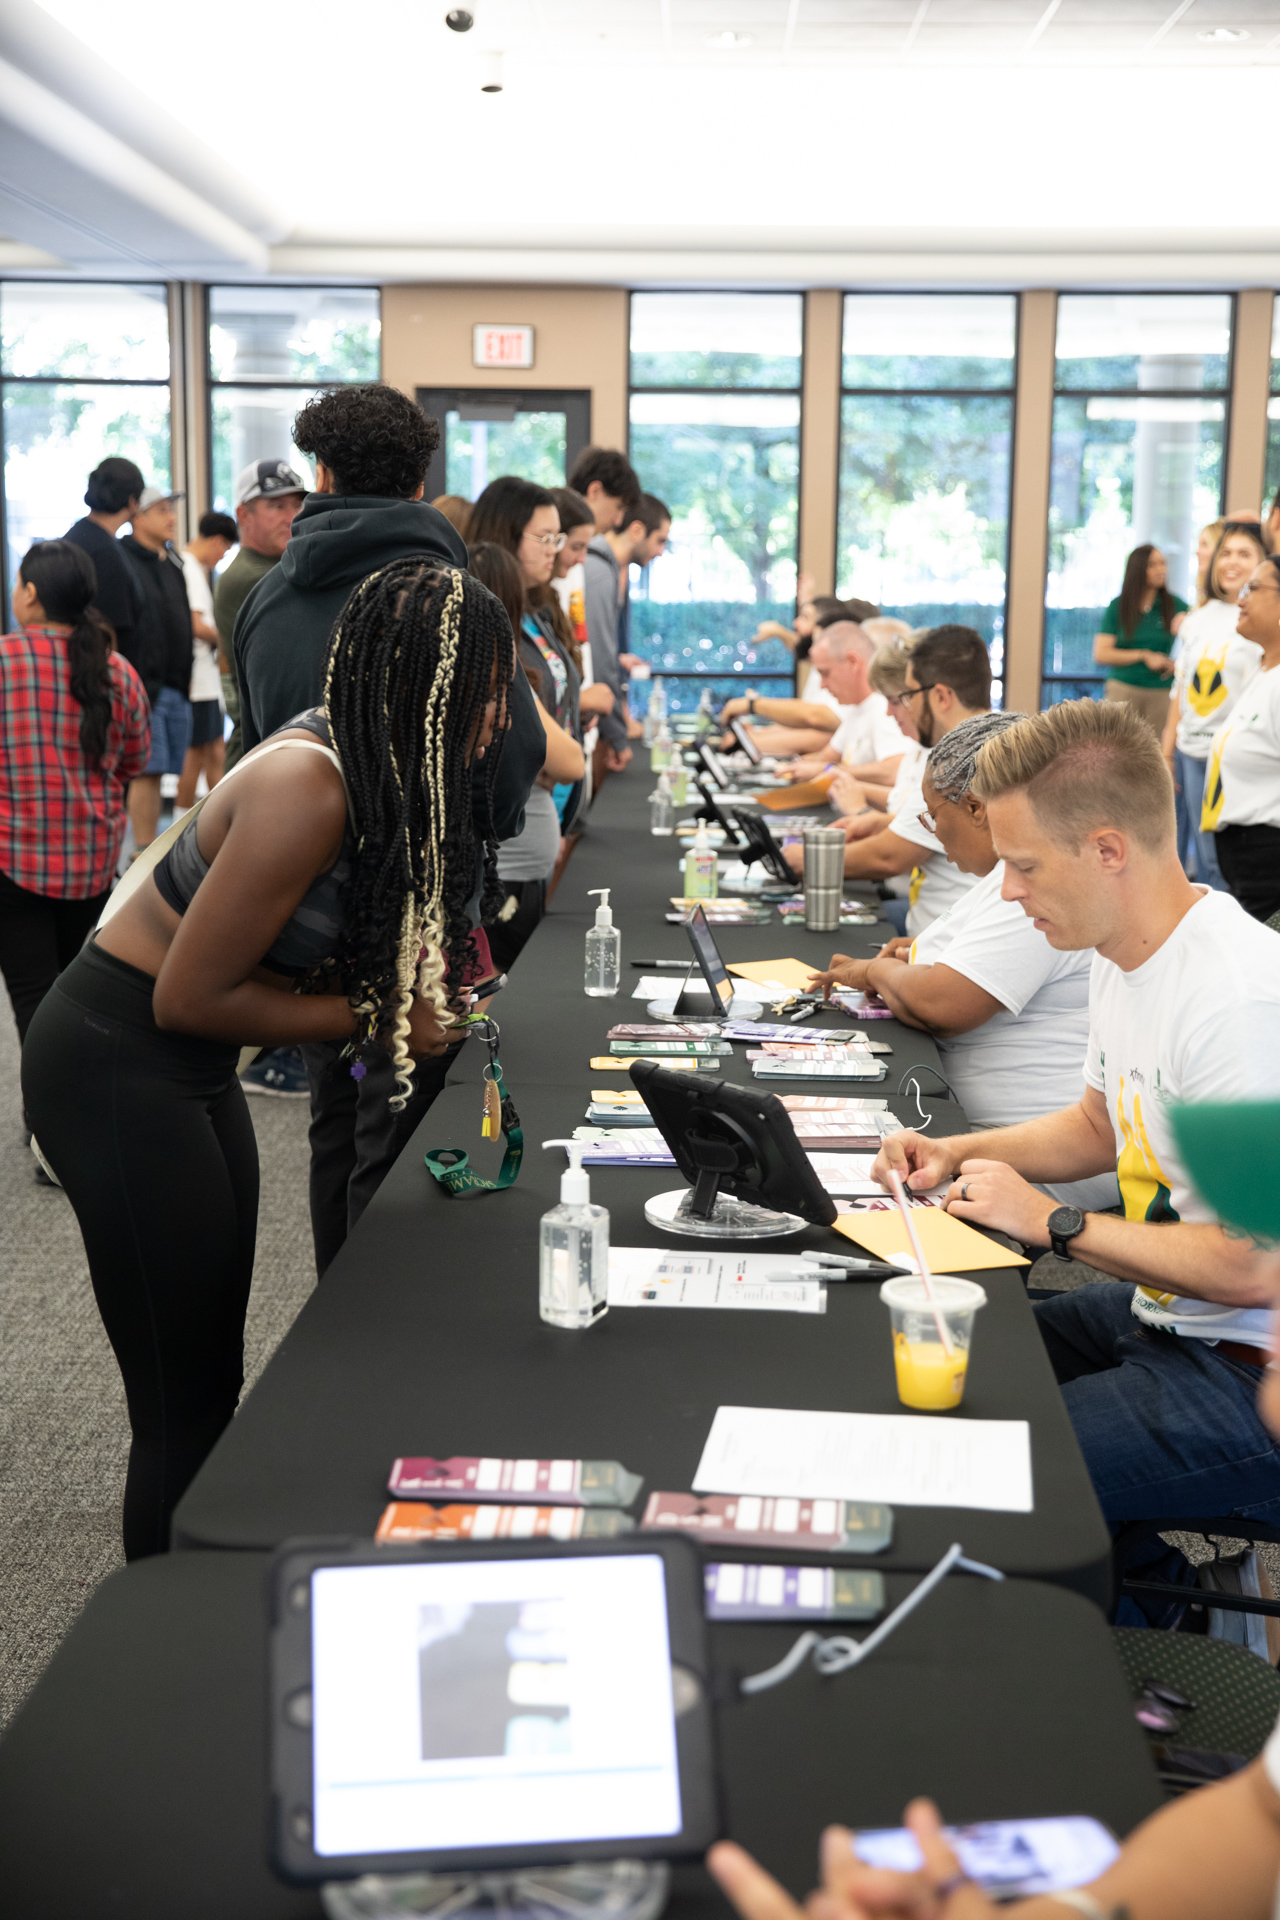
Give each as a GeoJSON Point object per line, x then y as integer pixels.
{"type": "Point", "coordinates": [823, 877]}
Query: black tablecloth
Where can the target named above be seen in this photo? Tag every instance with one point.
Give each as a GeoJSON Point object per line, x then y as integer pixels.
{"type": "Point", "coordinates": [425, 1338]}
{"type": "Point", "coordinates": [134, 1781]}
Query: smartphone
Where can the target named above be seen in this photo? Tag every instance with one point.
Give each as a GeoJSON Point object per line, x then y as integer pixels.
{"type": "Point", "coordinates": [485, 989]}
{"type": "Point", "coordinates": [744, 740]}
{"type": "Point", "coordinates": [1009, 1859]}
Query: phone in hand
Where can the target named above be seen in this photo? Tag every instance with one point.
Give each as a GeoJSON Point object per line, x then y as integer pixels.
{"type": "Point", "coordinates": [1009, 1859]}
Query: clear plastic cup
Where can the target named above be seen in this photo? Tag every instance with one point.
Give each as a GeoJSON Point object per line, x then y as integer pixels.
{"type": "Point", "coordinates": [929, 1378]}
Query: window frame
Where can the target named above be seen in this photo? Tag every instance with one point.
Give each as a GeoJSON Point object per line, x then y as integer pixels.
{"type": "Point", "coordinates": [938, 393]}
{"type": "Point", "coordinates": [213, 385]}
{"type": "Point", "coordinates": [1098, 679]}
{"type": "Point", "coordinates": [70, 380]}
{"type": "Point", "coordinates": [796, 392]}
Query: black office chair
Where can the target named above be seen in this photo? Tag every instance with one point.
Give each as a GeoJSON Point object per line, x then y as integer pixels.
{"type": "Point", "coordinates": [1231, 1527]}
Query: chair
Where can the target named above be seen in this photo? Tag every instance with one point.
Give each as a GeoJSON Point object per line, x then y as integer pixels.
{"type": "Point", "coordinates": [1232, 1527]}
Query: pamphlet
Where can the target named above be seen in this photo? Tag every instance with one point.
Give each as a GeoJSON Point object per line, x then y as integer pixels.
{"type": "Point", "coordinates": [763, 1282]}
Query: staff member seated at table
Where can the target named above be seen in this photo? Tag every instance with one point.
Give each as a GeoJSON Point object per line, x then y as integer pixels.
{"type": "Point", "coordinates": [1009, 1012]}
{"type": "Point", "coordinates": [338, 858]}
{"type": "Point", "coordinates": [868, 734]}
{"type": "Point", "coordinates": [948, 679]}
{"type": "Point", "coordinates": [801, 725]}
{"type": "Point", "coordinates": [1159, 1367]}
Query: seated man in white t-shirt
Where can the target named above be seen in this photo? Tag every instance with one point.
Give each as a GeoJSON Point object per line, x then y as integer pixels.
{"type": "Point", "coordinates": [1159, 1370]}
{"type": "Point", "coordinates": [948, 679]}
{"type": "Point", "coordinates": [868, 735]}
{"type": "Point", "coordinates": [802, 724]}
{"type": "Point", "coordinates": [1010, 1012]}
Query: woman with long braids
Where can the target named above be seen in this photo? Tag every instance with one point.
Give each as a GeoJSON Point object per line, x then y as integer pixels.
{"type": "Point", "coordinates": [320, 893]}
{"type": "Point", "coordinates": [74, 730]}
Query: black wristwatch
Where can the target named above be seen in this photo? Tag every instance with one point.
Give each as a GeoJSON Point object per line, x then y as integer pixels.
{"type": "Point", "coordinates": [1065, 1224]}
{"type": "Point", "coordinates": [751, 703]}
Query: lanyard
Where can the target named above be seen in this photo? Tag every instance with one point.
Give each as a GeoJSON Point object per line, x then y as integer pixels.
{"type": "Point", "coordinates": [450, 1166]}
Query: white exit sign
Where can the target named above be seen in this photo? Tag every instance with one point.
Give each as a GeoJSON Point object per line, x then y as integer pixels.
{"type": "Point", "coordinates": [495, 346]}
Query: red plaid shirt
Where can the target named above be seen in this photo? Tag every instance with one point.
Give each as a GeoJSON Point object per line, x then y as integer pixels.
{"type": "Point", "coordinates": [62, 818]}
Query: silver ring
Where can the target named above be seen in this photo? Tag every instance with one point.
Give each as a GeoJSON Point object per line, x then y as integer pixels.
{"type": "Point", "coordinates": [964, 1191]}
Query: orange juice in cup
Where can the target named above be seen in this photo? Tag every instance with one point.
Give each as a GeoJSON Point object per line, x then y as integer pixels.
{"type": "Point", "coordinates": [931, 1370]}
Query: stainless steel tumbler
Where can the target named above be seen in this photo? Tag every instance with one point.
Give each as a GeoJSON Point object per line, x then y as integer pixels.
{"type": "Point", "coordinates": [823, 877]}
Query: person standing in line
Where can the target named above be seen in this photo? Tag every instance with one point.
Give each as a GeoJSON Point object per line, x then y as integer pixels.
{"type": "Point", "coordinates": [75, 729]}
{"type": "Point", "coordinates": [115, 487]}
{"type": "Point", "coordinates": [1242, 787]}
{"type": "Point", "coordinates": [607, 482]}
{"type": "Point", "coordinates": [164, 644]}
{"type": "Point", "coordinates": [568, 583]}
{"type": "Point", "coordinates": [456, 511]}
{"type": "Point", "coordinates": [1214, 661]}
{"type": "Point", "coordinates": [266, 497]}
{"type": "Point", "coordinates": [655, 517]}
{"type": "Point", "coordinates": [371, 446]}
{"type": "Point", "coordinates": [342, 856]}
{"type": "Point", "coordinates": [214, 540]}
{"type": "Point", "coordinates": [1138, 631]}
{"type": "Point", "coordinates": [643, 537]}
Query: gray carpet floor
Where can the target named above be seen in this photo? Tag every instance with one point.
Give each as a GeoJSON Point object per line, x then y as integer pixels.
{"type": "Point", "coordinates": [64, 1435]}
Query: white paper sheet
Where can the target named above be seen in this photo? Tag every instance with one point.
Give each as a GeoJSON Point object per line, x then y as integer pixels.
{"type": "Point", "coordinates": [903, 1459]}
{"type": "Point", "coordinates": [770, 1283]}
{"type": "Point", "coordinates": [667, 986]}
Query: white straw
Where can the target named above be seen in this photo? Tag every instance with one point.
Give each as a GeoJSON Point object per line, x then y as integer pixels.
{"type": "Point", "coordinates": [939, 1319]}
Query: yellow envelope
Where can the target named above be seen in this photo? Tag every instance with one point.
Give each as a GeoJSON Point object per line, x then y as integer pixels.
{"type": "Point", "coordinates": [611, 1063]}
{"type": "Point", "coordinates": [617, 1097]}
{"type": "Point", "coordinates": [948, 1244]}
{"type": "Point", "coordinates": [806, 793]}
{"type": "Point", "coordinates": [787, 973]}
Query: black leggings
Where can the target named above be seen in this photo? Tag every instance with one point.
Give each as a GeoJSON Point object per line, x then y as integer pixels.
{"type": "Point", "coordinates": [150, 1135]}
{"type": "Point", "coordinates": [1250, 862]}
{"type": "Point", "coordinates": [39, 936]}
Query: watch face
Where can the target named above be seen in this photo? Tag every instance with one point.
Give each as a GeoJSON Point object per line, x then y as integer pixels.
{"type": "Point", "coordinates": [1065, 1223]}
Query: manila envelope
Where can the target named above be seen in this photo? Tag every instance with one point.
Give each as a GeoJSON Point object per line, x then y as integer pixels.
{"type": "Point", "coordinates": [788, 973]}
{"type": "Point", "coordinates": [805, 793]}
{"type": "Point", "coordinates": [948, 1244]}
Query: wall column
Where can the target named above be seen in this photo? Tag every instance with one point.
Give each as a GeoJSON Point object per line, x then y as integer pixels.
{"type": "Point", "coordinates": [189, 403]}
{"type": "Point", "coordinates": [1250, 391]}
{"type": "Point", "coordinates": [820, 436]}
{"type": "Point", "coordinates": [1029, 500]}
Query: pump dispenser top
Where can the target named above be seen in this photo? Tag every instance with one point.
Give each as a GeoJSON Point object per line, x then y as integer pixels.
{"type": "Point", "coordinates": [575, 1181]}
{"type": "Point", "coordinates": [604, 918]}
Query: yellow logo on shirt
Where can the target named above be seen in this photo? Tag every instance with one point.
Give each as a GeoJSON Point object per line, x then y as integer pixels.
{"type": "Point", "coordinates": [917, 881]}
{"type": "Point", "coordinates": [1144, 1185]}
{"type": "Point", "coordinates": [1212, 808]}
{"type": "Point", "coordinates": [1206, 689]}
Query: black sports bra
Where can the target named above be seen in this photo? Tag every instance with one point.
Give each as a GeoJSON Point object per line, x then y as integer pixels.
{"type": "Point", "coordinates": [311, 933]}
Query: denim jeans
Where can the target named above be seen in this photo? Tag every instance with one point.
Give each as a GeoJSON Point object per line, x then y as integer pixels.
{"type": "Point", "coordinates": [1168, 1427]}
{"type": "Point", "coordinates": [1191, 777]}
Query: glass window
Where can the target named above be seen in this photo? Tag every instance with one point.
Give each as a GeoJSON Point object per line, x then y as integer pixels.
{"type": "Point", "coordinates": [926, 424]}
{"type": "Point", "coordinates": [1273, 416]}
{"type": "Point", "coordinates": [904, 340]}
{"type": "Point", "coordinates": [723, 452]}
{"type": "Point", "coordinates": [270, 350]}
{"type": "Point", "coordinates": [85, 374]}
{"type": "Point", "coordinates": [529, 445]}
{"type": "Point", "coordinates": [716, 339]}
{"type": "Point", "coordinates": [1137, 456]}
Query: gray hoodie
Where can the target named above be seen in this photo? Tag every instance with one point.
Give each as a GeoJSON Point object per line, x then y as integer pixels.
{"type": "Point", "coordinates": [600, 594]}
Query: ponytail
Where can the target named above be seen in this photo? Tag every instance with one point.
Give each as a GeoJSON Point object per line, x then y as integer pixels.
{"type": "Point", "coordinates": [65, 582]}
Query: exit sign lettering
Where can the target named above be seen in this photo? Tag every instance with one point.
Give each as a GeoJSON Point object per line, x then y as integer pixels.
{"type": "Point", "coordinates": [501, 346]}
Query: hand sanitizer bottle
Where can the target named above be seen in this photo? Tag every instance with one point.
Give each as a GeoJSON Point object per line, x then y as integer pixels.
{"type": "Point", "coordinates": [662, 813]}
{"type": "Point", "coordinates": [662, 749]}
{"type": "Point", "coordinates": [573, 1250]}
{"type": "Point", "coordinates": [604, 951]}
{"type": "Point", "coordinates": [701, 869]}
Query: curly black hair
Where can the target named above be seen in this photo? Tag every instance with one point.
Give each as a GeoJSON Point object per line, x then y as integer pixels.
{"type": "Point", "coordinates": [373, 439]}
{"type": "Point", "coordinates": [418, 652]}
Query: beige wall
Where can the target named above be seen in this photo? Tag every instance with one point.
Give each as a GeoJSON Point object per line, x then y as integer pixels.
{"type": "Point", "coordinates": [1250, 388]}
{"type": "Point", "coordinates": [580, 340]}
{"type": "Point", "coordinates": [1029, 501]}
{"type": "Point", "coordinates": [820, 438]}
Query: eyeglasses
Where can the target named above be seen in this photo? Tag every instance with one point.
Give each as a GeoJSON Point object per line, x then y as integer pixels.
{"type": "Point", "coordinates": [909, 693]}
{"type": "Point", "coordinates": [927, 821]}
{"type": "Point", "coordinates": [552, 542]}
{"type": "Point", "coordinates": [1263, 586]}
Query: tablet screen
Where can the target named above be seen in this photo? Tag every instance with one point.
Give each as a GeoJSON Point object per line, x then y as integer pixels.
{"type": "Point", "coordinates": [491, 1703]}
{"type": "Point", "coordinates": [714, 765]}
{"type": "Point", "coordinates": [712, 966]}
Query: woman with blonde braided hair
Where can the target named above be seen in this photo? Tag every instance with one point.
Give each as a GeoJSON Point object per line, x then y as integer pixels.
{"type": "Point", "coordinates": [320, 893]}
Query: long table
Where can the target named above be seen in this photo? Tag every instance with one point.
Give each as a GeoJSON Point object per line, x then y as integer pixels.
{"type": "Point", "coordinates": [134, 1781]}
{"type": "Point", "coordinates": [425, 1338]}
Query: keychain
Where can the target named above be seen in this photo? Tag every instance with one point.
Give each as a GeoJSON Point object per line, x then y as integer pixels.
{"type": "Point", "coordinates": [450, 1165]}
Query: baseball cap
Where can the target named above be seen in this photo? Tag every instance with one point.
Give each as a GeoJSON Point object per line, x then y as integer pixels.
{"type": "Point", "coordinates": [151, 496]}
{"type": "Point", "coordinates": [1232, 1153]}
{"type": "Point", "coordinates": [266, 480]}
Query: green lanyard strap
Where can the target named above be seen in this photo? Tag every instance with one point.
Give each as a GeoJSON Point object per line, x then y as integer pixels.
{"type": "Point", "coordinates": [450, 1166]}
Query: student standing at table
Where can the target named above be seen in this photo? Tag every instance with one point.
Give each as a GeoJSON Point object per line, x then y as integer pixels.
{"type": "Point", "coordinates": [338, 859]}
{"type": "Point", "coordinates": [1137, 636]}
{"type": "Point", "coordinates": [1010, 1014]}
{"type": "Point", "coordinates": [1160, 1361]}
{"type": "Point", "coordinates": [75, 728]}
{"type": "Point", "coordinates": [526, 863]}
{"type": "Point", "coordinates": [1214, 661]}
{"type": "Point", "coordinates": [214, 540]}
{"type": "Point", "coordinates": [1242, 788]}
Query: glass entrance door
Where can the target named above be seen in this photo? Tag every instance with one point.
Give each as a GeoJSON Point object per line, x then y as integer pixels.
{"type": "Point", "coordinates": [537, 434]}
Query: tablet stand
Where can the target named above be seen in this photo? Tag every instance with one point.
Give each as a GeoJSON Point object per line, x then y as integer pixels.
{"type": "Point", "coordinates": [725, 1219]}
{"type": "Point", "coordinates": [595, 1890]}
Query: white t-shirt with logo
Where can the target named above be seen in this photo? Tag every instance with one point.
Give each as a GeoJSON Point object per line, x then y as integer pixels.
{"type": "Point", "coordinates": [206, 681]}
{"type": "Point", "coordinates": [940, 884]}
{"type": "Point", "coordinates": [1199, 1020]}
{"type": "Point", "coordinates": [867, 733]}
{"type": "Point", "coordinates": [1242, 785]}
{"type": "Point", "coordinates": [1214, 661]}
